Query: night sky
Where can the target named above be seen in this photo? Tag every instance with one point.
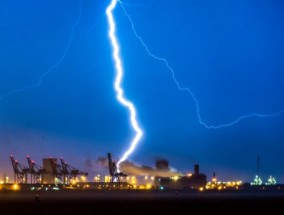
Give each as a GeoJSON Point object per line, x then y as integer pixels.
{"type": "Point", "coordinates": [229, 53]}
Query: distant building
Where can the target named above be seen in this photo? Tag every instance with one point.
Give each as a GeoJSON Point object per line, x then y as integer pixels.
{"type": "Point", "coordinates": [194, 181]}
{"type": "Point", "coordinates": [50, 165]}
{"type": "Point", "coordinates": [162, 165]}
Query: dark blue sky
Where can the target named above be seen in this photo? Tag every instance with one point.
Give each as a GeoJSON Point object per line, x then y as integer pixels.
{"type": "Point", "coordinates": [229, 53]}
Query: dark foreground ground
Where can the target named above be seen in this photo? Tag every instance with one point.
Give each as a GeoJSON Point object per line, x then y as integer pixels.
{"type": "Point", "coordinates": [140, 202]}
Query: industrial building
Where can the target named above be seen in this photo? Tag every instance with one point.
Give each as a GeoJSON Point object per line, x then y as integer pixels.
{"type": "Point", "coordinates": [162, 165]}
{"type": "Point", "coordinates": [196, 180]}
{"type": "Point", "coordinates": [57, 172]}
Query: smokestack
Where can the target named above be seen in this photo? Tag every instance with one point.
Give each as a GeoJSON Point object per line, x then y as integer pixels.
{"type": "Point", "coordinates": [196, 169]}
{"type": "Point", "coordinates": [257, 165]}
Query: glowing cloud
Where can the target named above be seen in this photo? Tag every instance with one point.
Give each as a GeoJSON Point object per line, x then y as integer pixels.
{"type": "Point", "coordinates": [118, 80]}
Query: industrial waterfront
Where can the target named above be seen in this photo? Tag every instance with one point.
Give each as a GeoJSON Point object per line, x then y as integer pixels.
{"type": "Point", "coordinates": [57, 175]}
{"type": "Point", "coordinates": [59, 188]}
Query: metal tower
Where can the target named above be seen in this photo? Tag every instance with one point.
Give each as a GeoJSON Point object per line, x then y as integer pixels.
{"type": "Point", "coordinates": [115, 175]}
{"type": "Point", "coordinates": [20, 171]}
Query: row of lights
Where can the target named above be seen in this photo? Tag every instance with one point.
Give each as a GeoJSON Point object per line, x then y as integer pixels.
{"type": "Point", "coordinates": [214, 184]}
{"type": "Point", "coordinates": [130, 179]}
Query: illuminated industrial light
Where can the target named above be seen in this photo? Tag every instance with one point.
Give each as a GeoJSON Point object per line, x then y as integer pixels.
{"type": "Point", "coordinates": [148, 186]}
{"type": "Point", "coordinates": [175, 178]}
{"type": "Point", "coordinates": [189, 174]}
{"type": "Point", "coordinates": [257, 181]}
{"type": "Point", "coordinates": [271, 181]}
{"type": "Point", "coordinates": [201, 189]}
{"type": "Point", "coordinates": [16, 187]}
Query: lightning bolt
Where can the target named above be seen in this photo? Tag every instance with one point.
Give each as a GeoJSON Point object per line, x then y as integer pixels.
{"type": "Point", "coordinates": [52, 67]}
{"type": "Point", "coordinates": [118, 81]}
{"type": "Point", "coordinates": [188, 90]}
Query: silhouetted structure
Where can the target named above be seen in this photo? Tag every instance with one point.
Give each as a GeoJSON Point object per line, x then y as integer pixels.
{"type": "Point", "coordinates": [50, 173]}
{"type": "Point", "coordinates": [162, 164]}
{"type": "Point", "coordinates": [36, 171]}
{"type": "Point", "coordinates": [69, 172]}
{"type": "Point", "coordinates": [115, 175]}
{"type": "Point", "coordinates": [20, 171]}
{"type": "Point", "coordinates": [257, 165]}
{"type": "Point", "coordinates": [196, 169]}
{"type": "Point", "coordinates": [195, 181]}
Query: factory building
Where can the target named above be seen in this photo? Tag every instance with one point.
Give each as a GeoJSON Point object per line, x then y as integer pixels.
{"type": "Point", "coordinates": [192, 181]}
{"type": "Point", "coordinates": [162, 165]}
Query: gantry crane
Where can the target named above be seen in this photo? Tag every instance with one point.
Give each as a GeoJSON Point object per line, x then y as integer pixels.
{"type": "Point", "coordinates": [69, 172]}
{"type": "Point", "coordinates": [113, 171]}
{"type": "Point", "coordinates": [56, 169]}
{"type": "Point", "coordinates": [20, 171]}
{"type": "Point", "coordinates": [36, 171]}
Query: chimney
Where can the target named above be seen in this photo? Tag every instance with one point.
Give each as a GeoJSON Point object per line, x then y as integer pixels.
{"type": "Point", "coordinates": [196, 169]}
